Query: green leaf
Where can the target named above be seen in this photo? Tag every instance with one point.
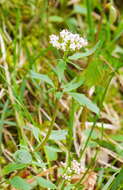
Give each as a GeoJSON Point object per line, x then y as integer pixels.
{"type": "Point", "coordinates": [58, 95]}
{"type": "Point", "coordinates": [71, 23]}
{"type": "Point", "coordinates": [95, 73]}
{"type": "Point", "coordinates": [45, 183]}
{"type": "Point", "coordinates": [74, 64]}
{"type": "Point", "coordinates": [36, 133]}
{"type": "Point", "coordinates": [84, 101]}
{"type": "Point", "coordinates": [51, 152]}
{"type": "Point", "coordinates": [72, 85]}
{"type": "Point", "coordinates": [86, 54]}
{"type": "Point", "coordinates": [118, 181]}
{"type": "Point", "coordinates": [117, 137]}
{"type": "Point", "coordinates": [34, 130]}
{"type": "Point", "coordinates": [23, 156]}
{"type": "Point", "coordinates": [106, 144]}
{"type": "Point", "coordinates": [56, 19]}
{"type": "Point", "coordinates": [119, 31]}
{"type": "Point", "coordinates": [60, 68]}
{"type": "Point", "coordinates": [20, 183]}
{"type": "Point", "coordinates": [113, 14]}
{"type": "Point", "coordinates": [80, 10]}
{"type": "Point", "coordinates": [12, 167]}
{"type": "Point", "coordinates": [58, 135]}
{"type": "Point", "coordinates": [107, 185]}
{"type": "Point", "coordinates": [42, 77]}
{"type": "Point", "coordinates": [69, 187]}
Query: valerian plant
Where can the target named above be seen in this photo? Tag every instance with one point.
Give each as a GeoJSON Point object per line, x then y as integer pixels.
{"type": "Point", "coordinates": [68, 43]}
{"type": "Point", "coordinates": [82, 70]}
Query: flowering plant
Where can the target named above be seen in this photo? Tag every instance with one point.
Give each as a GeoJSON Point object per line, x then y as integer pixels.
{"type": "Point", "coordinates": [67, 41]}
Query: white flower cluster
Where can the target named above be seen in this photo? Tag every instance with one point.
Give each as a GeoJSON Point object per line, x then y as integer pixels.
{"type": "Point", "coordinates": [74, 169]}
{"type": "Point", "coordinates": [67, 41]}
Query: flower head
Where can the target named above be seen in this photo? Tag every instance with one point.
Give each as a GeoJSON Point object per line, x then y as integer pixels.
{"type": "Point", "coordinates": [75, 168]}
{"type": "Point", "coordinates": [67, 41]}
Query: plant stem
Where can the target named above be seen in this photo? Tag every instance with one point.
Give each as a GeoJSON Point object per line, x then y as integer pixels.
{"type": "Point", "coordinates": [96, 117]}
{"type": "Point", "coordinates": [3, 116]}
{"type": "Point", "coordinates": [50, 128]}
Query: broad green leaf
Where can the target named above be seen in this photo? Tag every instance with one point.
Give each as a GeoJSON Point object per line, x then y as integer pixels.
{"type": "Point", "coordinates": [23, 156]}
{"type": "Point", "coordinates": [20, 183]}
{"type": "Point", "coordinates": [60, 68]}
{"type": "Point", "coordinates": [86, 54]}
{"type": "Point", "coordinates": [58, 135]}
{"type": "Point", "coordinates": [45, 183]}
{"type": "Point", "coordinates": [84, 101]}
{"type": "Point", "coordinates": [118, 181]}
{"type": "Point", "coordinates": [51, 152]}
{"type": "Point", "coordinates": [42, 77]}
{"type": "Point", "coordinates": [12, 167]}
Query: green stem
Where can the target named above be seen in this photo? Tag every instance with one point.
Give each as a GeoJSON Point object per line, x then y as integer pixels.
{"type": "Point", "coordinates": [97, 116]}
{"type": "Point", "coordinates": [87, 170]}
{"type": "Point", "coordinates": [49, 130]}
{"type": "Point", "coordinates": [90, 19]}
{"type": "Point", "coordinates": [3, 116]}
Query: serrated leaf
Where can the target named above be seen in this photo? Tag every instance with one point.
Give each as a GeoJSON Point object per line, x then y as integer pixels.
{"type": "Point", "coordinates": [86, 54]}
{"type": "Point", "coordinates": [20, 183]}
{"type": "Point", "coordinates": [12, 167]}
{"type": "Point", "coordinates": [84, 101]}
{"type": "Point", "coordinates": [42, 77]}
{"type": "Point", "coordinates": [45, 183]}
{"type": "Point", "coordinates": [58, 135]}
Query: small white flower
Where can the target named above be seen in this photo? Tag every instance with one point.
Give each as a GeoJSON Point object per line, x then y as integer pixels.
{"type": "Point", "coordinates": [67, 41]}
{"type": "Point", "coordinates": [54, 38]}
{"type": "Point", "coordinates": [73, 46]}
{"type": "Point", "coordinates": [76, 167]}
{"type": "Point", "coordinates": [63, 46]}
